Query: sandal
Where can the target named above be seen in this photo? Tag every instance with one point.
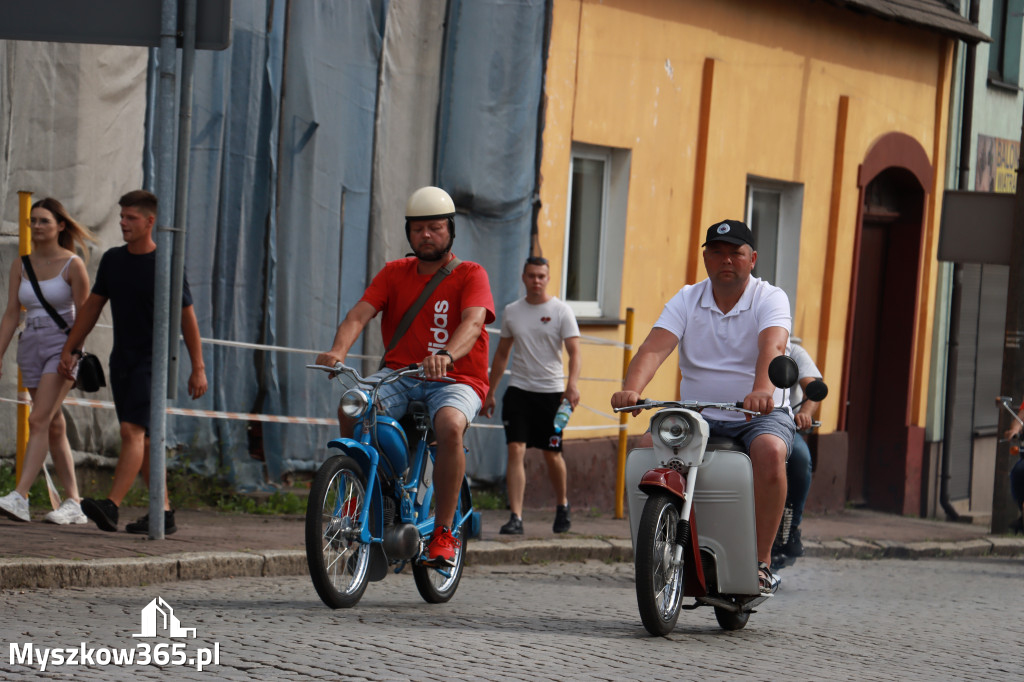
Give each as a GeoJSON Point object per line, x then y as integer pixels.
{"type": "Point", "coordinates": [767, 581]}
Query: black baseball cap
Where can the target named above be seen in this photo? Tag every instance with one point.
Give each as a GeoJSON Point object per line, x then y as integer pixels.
{"type": "Point", "coordinates": [732, 231]}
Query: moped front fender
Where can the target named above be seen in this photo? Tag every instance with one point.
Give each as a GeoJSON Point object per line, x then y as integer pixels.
{"type": "Point", "coordinates": [666, 479]}
{"type": "Point", "coordinates": [366, 457]}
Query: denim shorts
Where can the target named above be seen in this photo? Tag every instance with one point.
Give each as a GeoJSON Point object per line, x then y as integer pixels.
{"type": "Point", "coordinates": [39, 347]}
{"type": "Point", "coordinates": [394, 398]}
{"type": "Point", "coordinates": [778, 423]}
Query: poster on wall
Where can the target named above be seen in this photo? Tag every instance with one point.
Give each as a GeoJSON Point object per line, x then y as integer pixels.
{"type": "Point", "coordinates": [997, 165]}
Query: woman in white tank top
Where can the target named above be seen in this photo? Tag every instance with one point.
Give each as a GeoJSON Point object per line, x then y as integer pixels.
{"type": "Point", "coordinates": [64, 283]}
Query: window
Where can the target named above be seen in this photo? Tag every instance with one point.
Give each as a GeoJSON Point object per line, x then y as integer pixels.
{"type": "Point", "coordinates": [595, 231]}
{"type": "Point", "coordinates": [1004, 52]}
{"type": "Point", "coordinates": [774, 212]}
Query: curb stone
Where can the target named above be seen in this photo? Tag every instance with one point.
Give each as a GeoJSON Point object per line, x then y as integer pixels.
{"type": "Point", "coordinates": [862, 549]}
{"type": "Point", "coordinates": [209, 565]}
{"type": "Point", "coordinates": [134, 571]}
{"type": "Point", "coordinates": [978, 547]}
{"type": "Point", "coordinates": [1006, 546]}
{"type": "Point", "coordinates": [283, 562]}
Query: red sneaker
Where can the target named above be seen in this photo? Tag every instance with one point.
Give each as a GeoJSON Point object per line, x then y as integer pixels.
{"type": "Point", "coordinates": [442, 548]}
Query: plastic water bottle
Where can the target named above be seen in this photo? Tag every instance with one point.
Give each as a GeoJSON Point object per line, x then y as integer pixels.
{"type": "Point", "coordinates": [562, 416]}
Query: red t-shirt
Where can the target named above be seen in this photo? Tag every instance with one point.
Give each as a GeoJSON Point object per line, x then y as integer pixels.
{"type": "Point", "coordinates": [397, 286]}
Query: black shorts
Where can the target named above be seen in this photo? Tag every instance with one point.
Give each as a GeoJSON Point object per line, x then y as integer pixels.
{"type": "Point", "coordinates": [530, 418]}
{"type": "Point", "coordinates": [131, 385]}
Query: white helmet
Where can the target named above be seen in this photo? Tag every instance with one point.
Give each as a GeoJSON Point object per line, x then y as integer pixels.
{"type": "Point", "coordinates": [429, 203]}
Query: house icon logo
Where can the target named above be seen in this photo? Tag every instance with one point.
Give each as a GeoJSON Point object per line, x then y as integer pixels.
{"type": "Point", "coordinates": [158, 619]}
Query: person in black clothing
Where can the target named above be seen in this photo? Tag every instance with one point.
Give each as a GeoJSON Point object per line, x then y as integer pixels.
{"type": "Point", "coordinates": [126, 278]}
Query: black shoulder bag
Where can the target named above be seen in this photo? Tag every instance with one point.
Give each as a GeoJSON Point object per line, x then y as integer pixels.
{"type": "Point", "coordinates": [90, 371]}
{"type": "Point", "coordinates": [414, 309]}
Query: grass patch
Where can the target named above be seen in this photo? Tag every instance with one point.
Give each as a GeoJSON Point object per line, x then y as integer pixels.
{"type": "Point", "coordinates": [489, 497]}
{"type": "Point", "coordinates": [186, 491]}
{"type": "Point", "coordinates": [38, 498]}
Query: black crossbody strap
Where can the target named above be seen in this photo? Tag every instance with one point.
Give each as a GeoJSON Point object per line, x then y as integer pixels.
{"type": "Point", "coordinates": [414, 309]}
{"type": "Point", "coordinates": [27, 264]}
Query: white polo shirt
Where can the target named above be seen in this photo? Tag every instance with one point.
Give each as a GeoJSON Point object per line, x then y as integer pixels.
{"type": "Point", "coordinates": [718, 351]}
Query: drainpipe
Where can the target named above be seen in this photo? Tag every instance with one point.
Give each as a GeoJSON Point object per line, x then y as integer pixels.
{"type": "Point", "coordinates": [953, 348]}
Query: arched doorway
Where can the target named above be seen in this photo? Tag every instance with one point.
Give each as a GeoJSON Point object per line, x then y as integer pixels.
{"type": "Point", "coordinates": [885, 449]}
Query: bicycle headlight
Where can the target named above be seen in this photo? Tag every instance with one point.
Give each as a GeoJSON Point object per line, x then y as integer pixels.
{"type": "Point", "coordinates": [354, 403]}
{"type": "Point", "coordinates": [674, 430]}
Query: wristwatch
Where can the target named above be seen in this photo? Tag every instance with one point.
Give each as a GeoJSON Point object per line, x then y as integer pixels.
{"type": "Point", "coordinates": [76, 351]}
{"type": "Point", "coordinates": [446, 354]}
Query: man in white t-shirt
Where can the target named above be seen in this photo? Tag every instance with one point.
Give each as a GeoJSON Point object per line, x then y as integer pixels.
{"type": "Point", "coordinates": [798, 467]}
{"type": "Point", "coordinates": [727, 329]}
{"type": "Point", "coordinates": [538, 324]}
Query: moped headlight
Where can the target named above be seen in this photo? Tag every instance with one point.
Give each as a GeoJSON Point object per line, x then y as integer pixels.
{"type": "Point", "coordinates": [354, 403]}
{"type": "Point", "coordinates": [674, 430]}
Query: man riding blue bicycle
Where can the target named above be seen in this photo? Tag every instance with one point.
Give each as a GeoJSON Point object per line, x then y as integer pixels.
{"type": "Point", "coordinates": [434, 308]}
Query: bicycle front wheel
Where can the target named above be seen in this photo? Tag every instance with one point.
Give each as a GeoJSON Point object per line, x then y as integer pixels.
{"type": "Point", "coordinates": [337, 560]}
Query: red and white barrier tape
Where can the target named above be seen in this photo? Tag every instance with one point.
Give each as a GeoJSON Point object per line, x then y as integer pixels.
{"type": "Point", "coordinates": [271, 418]}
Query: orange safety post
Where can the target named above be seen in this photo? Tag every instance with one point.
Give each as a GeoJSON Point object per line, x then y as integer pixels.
{"type": "Point", "coordinates": [24, 248]}
{"type": "Point", "coordinates": [620, 473]}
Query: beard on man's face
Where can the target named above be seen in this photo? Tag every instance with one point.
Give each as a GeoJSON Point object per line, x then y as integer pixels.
{"type": "Point", "coordinates": [430, 253]}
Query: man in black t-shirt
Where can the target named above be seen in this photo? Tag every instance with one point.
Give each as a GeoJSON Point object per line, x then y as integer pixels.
{"type": "Point", "coordinates": [126, 278]}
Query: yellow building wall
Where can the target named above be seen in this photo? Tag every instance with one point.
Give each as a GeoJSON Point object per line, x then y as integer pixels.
{"type": "Point", "coordinates": [629, 74]}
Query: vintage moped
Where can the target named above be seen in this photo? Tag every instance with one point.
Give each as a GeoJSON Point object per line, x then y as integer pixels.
{"type": "Point", "coordinates": [685, 476]}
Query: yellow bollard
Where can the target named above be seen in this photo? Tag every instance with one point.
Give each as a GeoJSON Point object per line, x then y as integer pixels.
{"type": "Point", "coordinates": [620, 473]}
{"type": "Point", "coordinates": [24, 248]}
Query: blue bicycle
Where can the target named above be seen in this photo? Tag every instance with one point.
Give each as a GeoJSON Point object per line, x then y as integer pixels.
{"type": "Point", "coordinates": [371, 506]}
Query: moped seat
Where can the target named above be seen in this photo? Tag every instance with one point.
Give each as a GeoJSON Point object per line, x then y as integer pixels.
{"type": "Point", "coordinates": [725, 443]}
{"type": "Point", "coordinates": [417, 420]}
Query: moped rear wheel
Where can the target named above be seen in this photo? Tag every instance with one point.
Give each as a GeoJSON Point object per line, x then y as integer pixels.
{"type": "Point", "coordinates": [659, 582]}
{"type": "Point", "coordinates": [730, 620]}
{"type": "Point", "coordinates": [438, 585]}
{"type": "Point", "coordinates": [337, 560]}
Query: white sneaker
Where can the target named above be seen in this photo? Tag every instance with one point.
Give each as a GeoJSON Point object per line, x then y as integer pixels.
{"type": "Point", "coordinates": [14, 506]}
{"type": "Point", "coordinates": [69, 512]}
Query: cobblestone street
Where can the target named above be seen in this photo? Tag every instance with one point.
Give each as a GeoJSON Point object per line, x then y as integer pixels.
{"type": "Point", "coordinates": [846, 619]}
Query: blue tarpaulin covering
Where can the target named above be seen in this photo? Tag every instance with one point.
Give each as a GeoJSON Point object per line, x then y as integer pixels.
{"type": "Point", "coordinates": [280, 197]}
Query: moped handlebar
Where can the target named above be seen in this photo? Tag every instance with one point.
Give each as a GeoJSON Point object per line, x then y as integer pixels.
{"type": "Point", "coordinates": [696, 405]}
{"type": "Point", "coordinates": [411, 370]}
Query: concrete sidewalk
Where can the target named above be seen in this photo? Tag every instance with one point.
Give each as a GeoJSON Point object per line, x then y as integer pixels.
{"type": "Point", "coordinates": [211, 544]}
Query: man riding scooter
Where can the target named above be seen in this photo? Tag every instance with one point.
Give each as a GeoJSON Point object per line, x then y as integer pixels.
{"type": "Point", "coordinates": [727, 329]}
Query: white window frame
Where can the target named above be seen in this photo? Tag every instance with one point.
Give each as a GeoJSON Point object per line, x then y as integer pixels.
{"type": "Point", "coordinates": [787, 248]}
{"type": "Point", "coordinates": [612, 230]}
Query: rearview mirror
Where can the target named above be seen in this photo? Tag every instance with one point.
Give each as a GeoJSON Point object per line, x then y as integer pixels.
{"type": "Point", "coordinates": [817, 390]}
{"type": "Point", "coordinates": [783, 371]}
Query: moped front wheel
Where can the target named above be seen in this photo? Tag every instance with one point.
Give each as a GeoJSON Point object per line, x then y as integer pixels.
{"type": "Point", "coordinates": [337, 560]}
{"type": "Point", "coordinates": [659, 581]}
{"type": "Point", "coordinates": [438, 585]}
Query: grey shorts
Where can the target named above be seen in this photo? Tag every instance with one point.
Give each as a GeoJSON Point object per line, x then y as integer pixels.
{"type": "Point", "coordinates": [778, 423]}
{"type": "Point", "coordinates": [395, 398]}
{"type": "Point", "coordinates": [39, 347]}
